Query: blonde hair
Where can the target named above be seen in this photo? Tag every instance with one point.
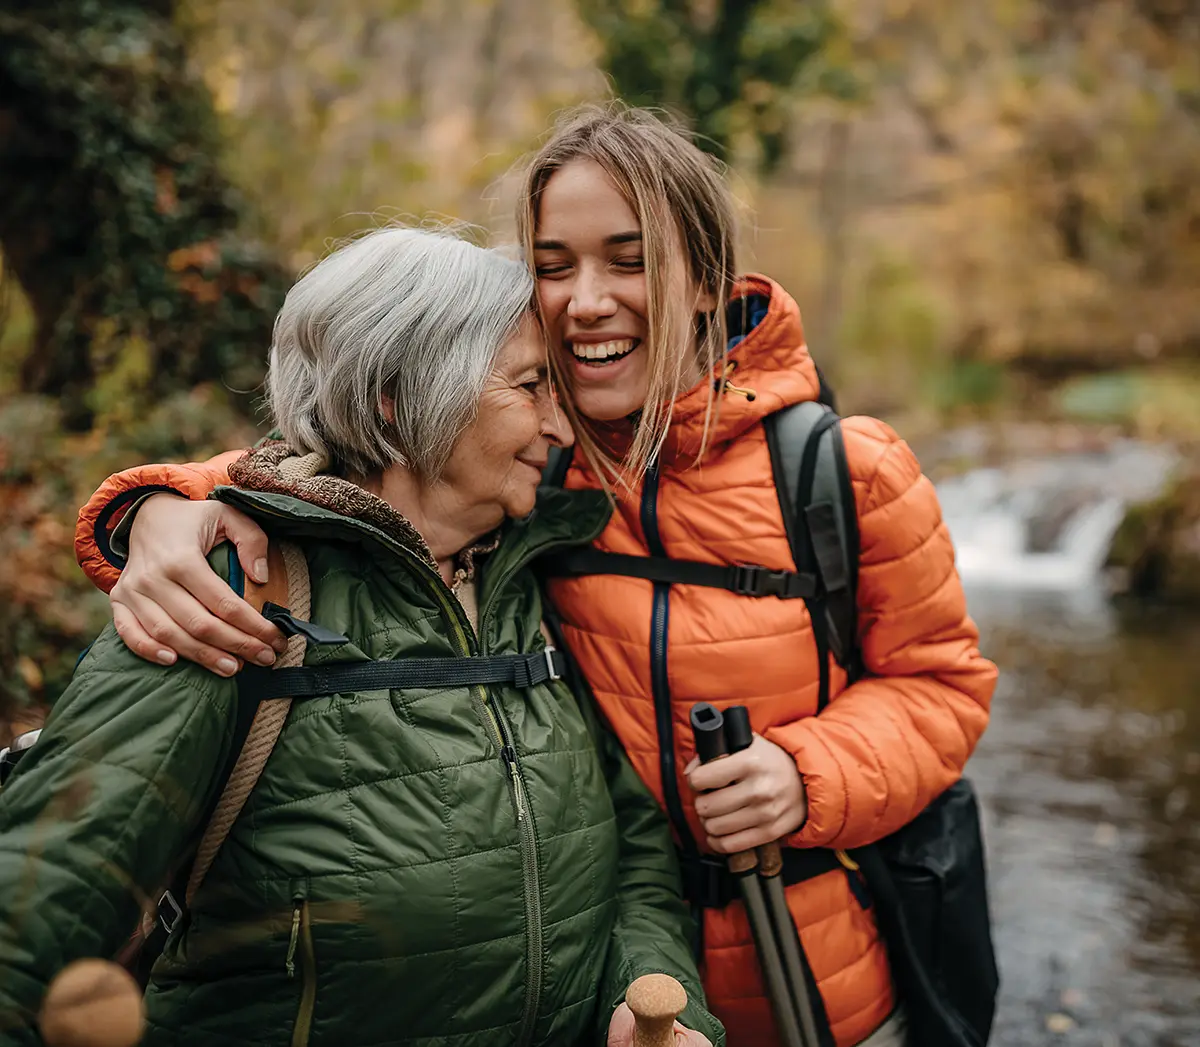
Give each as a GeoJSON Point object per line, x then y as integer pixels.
{"type": "Point", "coordinates": [681, 201]}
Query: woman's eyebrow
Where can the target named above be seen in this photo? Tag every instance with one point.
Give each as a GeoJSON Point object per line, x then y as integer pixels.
{"type": "Point", "coordinates": [633, 236]}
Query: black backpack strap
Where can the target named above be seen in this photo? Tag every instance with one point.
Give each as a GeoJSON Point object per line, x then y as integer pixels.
{"type": "Point", "coordinates": [314, 681]}
{"type": "Point", "coordinates": [743, 579]}
{"type": "Point", "coordinates": [170, 904]}
{"type": "Point", "coordinates": [559, 461]}
{"type": "Point", "coordinates": [808, 460]}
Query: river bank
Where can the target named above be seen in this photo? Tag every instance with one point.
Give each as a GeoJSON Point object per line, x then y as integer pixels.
{"type": "Point", "coordinates": [1089, 776]}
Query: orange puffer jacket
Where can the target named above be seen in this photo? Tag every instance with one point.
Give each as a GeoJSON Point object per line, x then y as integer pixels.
{"type": "Point", "coordinates": [885, 746]}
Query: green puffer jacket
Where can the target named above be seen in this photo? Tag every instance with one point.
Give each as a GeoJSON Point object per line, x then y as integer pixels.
{"type": "Point", "coordinates": [392, 879]}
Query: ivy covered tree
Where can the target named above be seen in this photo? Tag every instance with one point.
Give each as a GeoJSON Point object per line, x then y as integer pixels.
{"type": "Point", "coordinates": [114, 215]}
{"type": "Point", "coordinates": [730, 66]}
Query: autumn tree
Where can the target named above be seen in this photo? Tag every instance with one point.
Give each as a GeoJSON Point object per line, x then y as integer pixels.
{"type": "Point", "coordinates": [730, 66]}
{"type": "Point", "coordinates": [114, 215]}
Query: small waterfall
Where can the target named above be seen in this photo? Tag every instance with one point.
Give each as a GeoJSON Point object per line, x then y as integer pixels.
{"type": "Point", "coordinates": [1048, 523]}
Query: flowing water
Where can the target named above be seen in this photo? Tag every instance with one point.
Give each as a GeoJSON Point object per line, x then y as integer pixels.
{"type": "Point", "coordinates": [1090, 769]}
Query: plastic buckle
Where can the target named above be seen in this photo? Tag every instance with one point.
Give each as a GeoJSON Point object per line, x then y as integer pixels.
{"type": "Point", "coordinates": [745, 579]}
{"type": "Point", "coordinates": [168, 899]}
{"type": "Point", "coordinates": [552, 670]}
{"type": "Point", "coordinates": [753, 580]}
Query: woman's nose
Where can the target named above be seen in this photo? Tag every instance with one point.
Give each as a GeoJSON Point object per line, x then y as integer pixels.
{"type": "Point", "coordinates": [590, 299]}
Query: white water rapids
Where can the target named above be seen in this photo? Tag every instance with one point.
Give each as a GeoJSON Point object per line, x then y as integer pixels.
{"type": "Point", "coordinates": [1047, 523]}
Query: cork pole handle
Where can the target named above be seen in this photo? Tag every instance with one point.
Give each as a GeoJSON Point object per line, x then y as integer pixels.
{"type": "Point", "coordinates": [656, 1000]}
{"type": "Point", "coordinates": [92, 1003]}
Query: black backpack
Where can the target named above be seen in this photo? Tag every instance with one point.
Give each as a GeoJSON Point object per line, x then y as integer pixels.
{"type": "Point", "coordinates": [928, 880]}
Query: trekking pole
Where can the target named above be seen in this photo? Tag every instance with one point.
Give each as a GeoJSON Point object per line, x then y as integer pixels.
{"type": "Point", "coordinates": [708, 729]}
{"type": "Point", "coordinates": [656, 1000]}
{"type": "Point", "coordinates": [738, 736]}
{"type": "Point", "coordinates": [92, 1003]}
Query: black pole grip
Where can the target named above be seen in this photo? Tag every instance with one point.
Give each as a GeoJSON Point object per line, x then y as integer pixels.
{"type": "Point", "coordinates": [738, 732]}
{"type": "Point", "coordinates": [708, 730]}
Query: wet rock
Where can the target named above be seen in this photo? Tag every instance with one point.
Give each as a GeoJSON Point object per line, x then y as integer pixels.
{"type": "Point", "coordinates": [1156, 550]}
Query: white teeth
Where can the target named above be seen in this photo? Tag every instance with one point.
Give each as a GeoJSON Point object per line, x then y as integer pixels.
{"type": "Point", "coordinates": [602, 350]}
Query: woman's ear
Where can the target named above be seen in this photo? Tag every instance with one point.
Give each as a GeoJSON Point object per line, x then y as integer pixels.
{"type": "Point", "coordinates": [706, 300]}
{"type": "Point", "coordinates": [387, 408]}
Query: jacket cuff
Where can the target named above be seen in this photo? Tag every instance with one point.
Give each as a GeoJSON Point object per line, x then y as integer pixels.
{"type": "Point", "coordinates": [94, 550]}
{"type": "Point", "coordinates": [825, 790]}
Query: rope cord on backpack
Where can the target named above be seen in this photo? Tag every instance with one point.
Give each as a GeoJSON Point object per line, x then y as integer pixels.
{"type": "Point", "coordinates": [268, 722]}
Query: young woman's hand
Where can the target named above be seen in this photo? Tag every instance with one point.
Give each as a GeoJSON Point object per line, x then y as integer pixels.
{"type": "Point", "coordinates": [620, 1031]}
{"type": "Point", "coordinates": [168, 602]}
{"type": "Point", "coordinates": [753, 797]}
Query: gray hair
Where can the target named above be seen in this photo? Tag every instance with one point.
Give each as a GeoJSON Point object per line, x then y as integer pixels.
{"type": "Point", "coordinates": [412, 314]}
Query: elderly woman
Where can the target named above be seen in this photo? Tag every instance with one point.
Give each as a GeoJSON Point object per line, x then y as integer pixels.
{"type": "Point", "coordinates": [435, 864]}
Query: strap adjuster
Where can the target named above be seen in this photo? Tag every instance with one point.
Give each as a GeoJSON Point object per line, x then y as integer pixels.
{"type": "Point", "coordinates": [753, 580]}
{"type": "Point", "coordinates": [168, 900]}
{"type": "Point", "coordinates": [532, 669]}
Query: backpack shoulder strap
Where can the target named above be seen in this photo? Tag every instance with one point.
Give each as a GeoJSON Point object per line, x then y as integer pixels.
{"type": "Point", "coordinates": [258, 723]}
{"type": "Point", "coordinates": [555, 473]}
{"type": "Point", "coordinates": [812, 479]}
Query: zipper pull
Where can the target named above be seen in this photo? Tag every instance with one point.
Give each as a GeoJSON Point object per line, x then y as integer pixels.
{"type": "Point", "coordinates": [854, 878]}
{"type": "Point", "coordinates": [510, 758]}
{"type": "Point", "coordinates": [290, 963]}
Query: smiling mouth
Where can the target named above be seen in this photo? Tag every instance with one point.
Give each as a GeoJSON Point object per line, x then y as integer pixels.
{"type": "Point", "coordinates": [597, 354]}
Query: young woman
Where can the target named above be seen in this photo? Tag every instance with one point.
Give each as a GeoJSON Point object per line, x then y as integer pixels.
{"type": "Point", "coordinates": [668, 364]}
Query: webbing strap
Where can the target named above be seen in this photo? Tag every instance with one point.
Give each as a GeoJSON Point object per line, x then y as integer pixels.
{"type": "Point", "coordinates": [708, 883]}
{"type": "Point", "coordinates": [742, 579]}
{"type": "Point", "coordinates": [314, 681]}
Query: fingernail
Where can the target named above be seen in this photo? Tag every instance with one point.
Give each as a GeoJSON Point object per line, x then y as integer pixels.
{"type": "Point", "coordinates": [260, 571]}
{"type": "Point", "coordinates": [280, 645]}
{"type": "Point", "coordinates": [265, 657]}
{"type": "Point", "coordinates": [226, 666]}
{"type": "Point", "coordinates": [166, 657]}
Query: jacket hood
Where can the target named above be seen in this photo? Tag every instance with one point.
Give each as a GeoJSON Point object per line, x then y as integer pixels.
{"type": "Point", "coordinates": [767, 359]}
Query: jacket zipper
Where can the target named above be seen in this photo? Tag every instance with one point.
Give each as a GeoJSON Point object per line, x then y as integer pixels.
{"type": "Point", "coordinates": [301, 941]}
{"type": "Point", "coordinates": [660, 616]}
{"type": "Point", "coordinates": [534, 965]}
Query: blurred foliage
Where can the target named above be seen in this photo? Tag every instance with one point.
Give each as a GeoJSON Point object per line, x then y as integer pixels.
{"type": "Point", "coordinates": [114, 215]}
{"type": "Point", "coordinates": [1035, 165]}
{"type": "Point", "coordinates": [335, 113]}
{"type": "Point", "coordinates": [48, 610]}
{"type": "Point", "coordinates": [732, 67]}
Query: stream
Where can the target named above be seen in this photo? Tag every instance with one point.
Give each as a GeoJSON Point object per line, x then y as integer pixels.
{"type": "Point", "coordinates": [1089, 772]}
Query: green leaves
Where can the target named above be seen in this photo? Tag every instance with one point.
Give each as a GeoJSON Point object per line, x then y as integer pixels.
{"type": "Point", "coordinates": [730, 66]}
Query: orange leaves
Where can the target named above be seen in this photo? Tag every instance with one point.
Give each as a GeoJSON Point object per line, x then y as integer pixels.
{"type": "Point", "coordinates": [166, 199]}
{"type": "Point", "coordinates": [202, 255]}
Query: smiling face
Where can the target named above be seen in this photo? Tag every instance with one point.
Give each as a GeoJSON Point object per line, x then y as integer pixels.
{"type": "Point", "coordinates": [591, 281]}
{"type": "Point", "coordinates": [497, 462]}
{"type": "Point", "coordinates": [630, 230]}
